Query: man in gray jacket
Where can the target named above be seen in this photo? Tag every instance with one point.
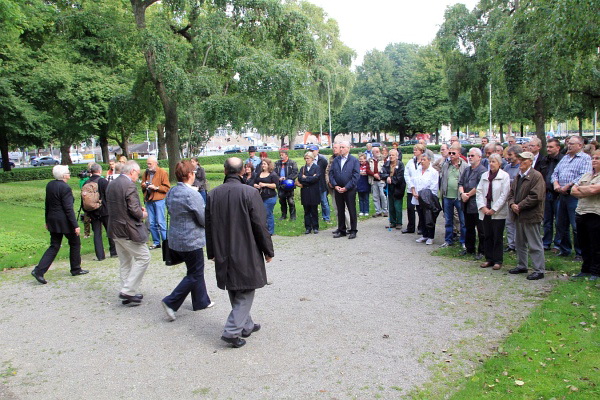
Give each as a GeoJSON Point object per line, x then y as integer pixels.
{"type": "Point", "coordinates": [239, 254]}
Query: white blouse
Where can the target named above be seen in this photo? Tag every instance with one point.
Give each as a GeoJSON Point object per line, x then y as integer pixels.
{"type": "Point", "coordinates": [429, 179]}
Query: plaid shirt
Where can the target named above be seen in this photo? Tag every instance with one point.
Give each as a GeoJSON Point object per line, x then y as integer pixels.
{"type": "Point", "coordinates": [571, 169]}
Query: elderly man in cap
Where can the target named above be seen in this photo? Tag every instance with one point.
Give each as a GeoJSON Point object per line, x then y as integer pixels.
{"type": "Point", "coordinates": [526, 202]}
{"type": "Point", "coordinates": [322, 163]}
{"type": "Point", "coordinates": [252, 157]}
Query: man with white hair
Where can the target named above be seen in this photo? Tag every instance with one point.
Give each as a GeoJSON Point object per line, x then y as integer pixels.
{"type": "Point", "coordinates": [369, 150]}
{"type": "Point", "coordinates": [343, 176]}
{"type": "Point", "coordinates": [126, 228]}
{"type": "Point", "coordinates": [155, 185]}
{"type": "Point", "coordinates": [467, 190]}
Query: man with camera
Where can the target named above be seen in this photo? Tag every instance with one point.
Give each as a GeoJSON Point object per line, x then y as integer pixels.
{"type": "Point", "coordinates": [155, 185]}
{"type": "Point", "coordinates": [286, 169]}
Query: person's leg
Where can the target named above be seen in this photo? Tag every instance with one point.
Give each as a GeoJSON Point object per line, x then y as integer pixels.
{"type": "Point", "coordinates": [239, 318]}
{"type": "Point", "coordinates": [510, 231]}
{"type": "Point", "coordinates": [498, 240]}
{"type": "Point", "coordinates": [350, 200]}
{"type": "Point", "coordinates": [151, 209]}
{"type": "Point", "coordinates": [384, 198]}
{"type": "Point", "coordinates": [398, 207]}
{"type": "Point", "coordinates": [178, 295]}
{"type": "Point", "coordinates": [562, 226]}
{"type": "Point", "coordinates": [125, 260]}
{"type": "Point", "coordinates": [488, 249]}
{"type": "Point", "coordinates": [314, 216]}
{"type": "Point", "coordinates": [200, 298]}
{"type": "Point", "coordinates": [548, 220]}
{"type": "Point", "coordinates": [393, 213]}
{"type": "Point", "coordinates": [325, 211]}
{"type": "Point", "coordinates": [307, 218]}
{"type": "Point", "coordinates": [141, 259]}
{"type": "Point", "coordinates": [376, 198]}
{"type": "Point", "coordinates": [470, 222]}
{"type": "Point", "coordinates": [585, 241]}
{"type": "Point", "coordinates": [292, 205]}
{"type": "Point", "coordinates": [593, 225]}
{"type": "Point", "coordinates": [111, 244]}
{"type": "Point", "coordinates": [521, 241]}
{"type": "Point", "coordinates": [86, 225]}
{"type": "Point", "coordinates": [410, 212]}
{"type": "Point", "coordinates": [480, 235]}
{"type": "Point", "coordinates": [98, 245]}
{"type": "Point", "coordinates": [536, 249]}
{"type": "Point", "coordinates": [283, 204]}
{"type": "Point", "coordinates": [74, 251]}
{"type": "Point", "coordinates": [49, 254]}
{"type": "Point", "coordinates": [161, 221]}
{"type": "Point", "coordinates": [269, 206]}
{"type": "Point", "coordinates": [460, 215]}
{"type": "Point", "coordinates": [448, 206]}
{"type": "Point", "coordinates": [571, 206]}
{"type": "Point", "coordinates": [341, 217]}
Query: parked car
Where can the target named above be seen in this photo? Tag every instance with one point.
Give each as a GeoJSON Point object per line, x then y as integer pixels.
{"type": "Point", "coordinates": [299, 146]}
{"type": "Point", "coordinates": [409, 143]}
{"type": "Point", "coordinates": [232, 151]}
{"type": "Point", "coordinates": [12, 164]}
{"type": "Point", "coordinates": [376, 144]}
{"type": "Point", "coordinates": [45, 160]}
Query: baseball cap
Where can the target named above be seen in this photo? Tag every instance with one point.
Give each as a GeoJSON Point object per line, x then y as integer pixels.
{"type": "Point", "coordinates": [526, 155]}
{"type": "Point", "coordinates": [313, 147]}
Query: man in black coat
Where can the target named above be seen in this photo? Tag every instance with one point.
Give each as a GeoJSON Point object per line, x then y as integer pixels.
{"type": "Point", "coordinates": [286, 169]}
{"type": "Point", "coordinates": [343, 176]}
{"type": "Point", "coordinates": [239, 254]}
{"type": "Point", "coordinates": [322, 163]}
{"type": "Point", "coordinates": [60, 221]}
{"type": "Point", "coordinates": [99, 217]}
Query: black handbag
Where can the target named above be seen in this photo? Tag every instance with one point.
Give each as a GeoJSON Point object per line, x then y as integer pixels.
{"type": "Point", "coordinates": [170, 257]}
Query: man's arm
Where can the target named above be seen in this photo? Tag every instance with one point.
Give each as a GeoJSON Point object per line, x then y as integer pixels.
{"type": "Point", "coordinates": [163, 185]}
{"type": "Point", "coordinates": [293, 169]}
{"type": "Point", "coordinates": [355, 174]}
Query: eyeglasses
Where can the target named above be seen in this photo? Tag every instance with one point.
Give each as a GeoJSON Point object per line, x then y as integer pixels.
{"type": "Point", "coordinates": [452, 153]}
{"type": "Point", "coordinates": [470, 155]}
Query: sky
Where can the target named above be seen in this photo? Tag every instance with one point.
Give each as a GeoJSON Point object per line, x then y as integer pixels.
{"type": "Point", "coordinates": [365, 25]}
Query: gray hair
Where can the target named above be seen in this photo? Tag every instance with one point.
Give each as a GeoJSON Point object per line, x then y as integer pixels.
{"type": "Point", "coordinates": [309, 154]}
{"type": "Point", "coordinates": [345, 143]}
{"type": "Point", "coordinates": [516, 149]}
{"type": "Point", "coordinates": [495, 156]}
{"type": "Point", "coordinates": [535, 141]}
{"type": "Point", "coordinates": [152, 158]}
{"type": "Point", "coordinates": [490, 146]}
{"type": "Point", "coordinates": [428, 154]}
{"type": "Point", "coordinates": [95, 168]}
{"type": "Point", "coordinates": [118, 168]}
{"type": "Point", "coordinates": [130, 166]}
{"type": "Point", "coordinates": [475, 150]}
{"type": "Point", "coordinates": [59, 171]}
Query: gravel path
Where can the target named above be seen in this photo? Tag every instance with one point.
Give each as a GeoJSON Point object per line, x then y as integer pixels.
{"type": "Point", "coordinates": [374, 317]}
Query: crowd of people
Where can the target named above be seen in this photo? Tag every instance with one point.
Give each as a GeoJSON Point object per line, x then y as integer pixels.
{"type": "Point", "coordinates": [539, 202]}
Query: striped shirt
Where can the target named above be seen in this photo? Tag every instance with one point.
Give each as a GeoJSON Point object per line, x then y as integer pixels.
{"type": "Point", "coordinates": [571, 169]}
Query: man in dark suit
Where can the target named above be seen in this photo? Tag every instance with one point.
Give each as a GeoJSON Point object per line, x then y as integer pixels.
{"type": "Point", "coordinates": [60, 221]}
{"type": "Point", "coordinates": [99, 217]}
{"type": "Point", "coordinates": [126, 227]}
{"type": "Point", "coordinates": [322, 163]}
{"type": "Point", "coordinates": [343, 176]}
{"type": "Point", "coordinates": [239, 254]}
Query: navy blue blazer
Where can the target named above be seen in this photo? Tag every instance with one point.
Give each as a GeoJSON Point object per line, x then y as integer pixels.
{"type": "Point", "coordinates": [346, 177]}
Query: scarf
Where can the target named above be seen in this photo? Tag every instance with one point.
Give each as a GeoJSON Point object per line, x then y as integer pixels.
{"type": "Point", "coordinates": [491, 178]}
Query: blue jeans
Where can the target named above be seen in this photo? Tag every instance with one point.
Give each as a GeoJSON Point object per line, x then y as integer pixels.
{"type": "Point", "coordinates": [269, 206]}
{"type": "Point", "coordinates": [449, 206]}
{"type": "Point", "coordinates": [550, 209]}
{"type": "Point", "coordinates": [363, 202]}
{"type": "Point", "coordinates": [156, 220]}
{"type": "Point", "coordinates": [565, 218]}
{"type": "Point", "coordinates": [325, 206]}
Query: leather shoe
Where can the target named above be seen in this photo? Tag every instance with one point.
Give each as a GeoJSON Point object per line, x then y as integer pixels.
{"type": "Point", "coordinates": [463, 252]}
{"type": "Point", "coordinates": [132, 299]}
{"type": "Point", "coordinates": [391, 226]}
{"type": "Point", "coordinates": [535, 276]}
{"type": "Point", "coordinates": [80, 272]}
{"type": "Point", "coordinates": [38, 277]}
{"type": "Point", "coordinates": [337, 235]}
{"type": "Point", "coordinates": [486, 264]}
{"type": "Point", "coordinates": [282, 218]}
{"type": "Point", "coordinates": [517, 270]}
{"type": "Point", "coordinates": [496, 267]}
{"type": "Point", "coordinates": [478, 256]}
{"type": "Point", "coordinates": [256, 328]}
{"type": "Point", "coordinates": [307, 232]}
{"type": "Point", "coordinates": [315, 231]}
{"type": "Point", "coordinates": [352, 236]}
{"type": "Point", "coordinates": [335, 232]}
{"type": "Point", "coordinates": [407, 231]}
{"type": "Point", "coordinates": [236, 342]}
{"type": "Point", "coordinates": [508, 249]}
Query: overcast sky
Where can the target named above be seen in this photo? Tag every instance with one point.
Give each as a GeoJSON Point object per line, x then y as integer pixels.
{"type": "Point", "coordinates": [365, 25]}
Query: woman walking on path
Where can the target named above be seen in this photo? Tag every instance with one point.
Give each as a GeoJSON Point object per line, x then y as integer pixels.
{"type": "Point", "coordinates": [492, 193]}
{"type": "Point", "coordinates": [266, 183]}
{"type": "Point", "coordinates": [187, 239]}
{"type": "Point", "coordinates": [310, 194]}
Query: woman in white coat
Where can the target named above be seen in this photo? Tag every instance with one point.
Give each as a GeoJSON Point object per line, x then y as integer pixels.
{"type": "Point", "coordinates": [492, 193]}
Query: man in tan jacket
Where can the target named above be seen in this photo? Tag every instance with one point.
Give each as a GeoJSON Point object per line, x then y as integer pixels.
{"type": "Point", "coordinates": [155, 185]}
{"type": "Point", "coordinates": [526, 202]}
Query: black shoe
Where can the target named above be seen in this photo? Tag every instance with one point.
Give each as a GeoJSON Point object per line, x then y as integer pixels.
{"type": "Point", "coordinates": [114, 255]}
{"type": "Point", "coordinates": [478, 256]}
{"type": "Point", "coordinates": [581, 275]}
{"type": "Point", "coordinates": [315, 231]}
{"type": "Point", "coordinates": [130, 299]}
{"type": "Point", "coordinates": [99, 259]}
{"type": "Point", "coordinates": [282, 218]}
{"type": "Point", "coordinates": [38, 277]}
{"type": "Point", "coordinates": [335, 232]}
{"type": "Point", "coordinates": [80, 272]}
{"type": "Point", "coordinates": [154, 246]}
{"type": "Point", "coordinates": [535, 276]}
{"type": "Point", "coordinates": [352, 235]}
{"type": "Point", "coordinates": [236, 342]}
{"type": "Point", "coordinates": [337, 235]}
{"type": "Point", "coordinates": [463, 252]}
{"type": "Point", "coordinates": [407, 231]}
{"type": "Point", "coordinates": [517, 270]}
{"type": "Point", "coordinates": [419, 232]}
{"type": "Point", "coordinates": [390, 226]}
{"type": "Point", "coordinates": [307, 232]}
{"type": "Point", "coordinates": [578, 259]}
{"type": "Point", "coordinates": [256, 328]}
{"type": "Point", "coordinates": [292, 218]}
{"type": "Point", "coordinates": [508, 249]}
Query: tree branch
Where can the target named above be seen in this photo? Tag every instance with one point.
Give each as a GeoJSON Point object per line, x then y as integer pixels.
{"type": "Point", "coordinates": [183, 32]}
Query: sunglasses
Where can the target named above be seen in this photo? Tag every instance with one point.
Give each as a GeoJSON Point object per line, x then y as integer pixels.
{"type": "Point", "coordinates": [452, 153]}
{"type": "Point", "coordinates": [470, 155]}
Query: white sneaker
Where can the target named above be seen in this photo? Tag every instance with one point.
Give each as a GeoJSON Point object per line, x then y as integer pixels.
{"type": "Point", "coordinates": [169, 311]}
{"type": "Point", "coordinates": [429, 241]}
{"type": "Point", "coordinates": [421, 240]}
{"type": "Point", "coordinates": [212, 303]}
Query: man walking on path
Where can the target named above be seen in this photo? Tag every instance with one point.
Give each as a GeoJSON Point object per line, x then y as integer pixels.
{"type": "Point", "coordinates": [343, 176]}
{"type": "Point", "coordinates": [127, 229]}
{"type": "Point", "coordinates": [99, 217]}
{"type": "Point", "coordinates": [526, 202]}
{"type": "Point", "coordinates": [155, 185]}
{"type": "Point", "coordinates": [238, 253]}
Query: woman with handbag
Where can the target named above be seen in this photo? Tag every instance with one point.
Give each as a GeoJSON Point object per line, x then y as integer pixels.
{"type": "Point", "coordinates": [392, 173]}
{"type": "Point", "coordinates": [266, 183]}
{"type": "Point", "coordinates": [310, 193]}
{"type": "Point", "coordinates": [186, 239]}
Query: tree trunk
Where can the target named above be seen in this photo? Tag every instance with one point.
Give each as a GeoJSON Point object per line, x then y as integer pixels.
{"type": "Point", "coordinates": [580, 121]}
{"type": "Point", "coordinates": [161, 153]}
{"type": "Point", "coordinates": [457, 130]}
{"type": "Point", "coordinates": [4, 151]}
{"type": "Point", "coordinates": [104, 149]}
{"type": "Point", "coordinates": [522, 128]}
{"type": "Point", "coordinates": [65, 154]}
{"type": "Point", "coordinates": [540, 122]}
{"type": "Point", "coordinates": [501, 129]}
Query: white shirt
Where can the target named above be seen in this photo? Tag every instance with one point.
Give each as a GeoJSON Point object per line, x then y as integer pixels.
{"type": "Point", "coordinates": [343, 161]}
{"type": "Point", "coordinates": [425, 180]}
{"type": "Point", "coordinates": [410, 170]}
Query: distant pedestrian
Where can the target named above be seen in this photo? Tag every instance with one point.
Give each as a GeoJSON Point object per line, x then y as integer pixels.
{"type": "Point", "coordinates": [60, 221]}
{"type": "Point", "coordinates": [426, 179]}
{"type": "Point", "coordinates": [549, 162]}
{"type": "Point", "coordinates": [200, 182]}
{"type": "Point", "coordinates": [309, 177]}
{"type": "Point", "coordinates": [239, 254]}
{"type": "Point", "coordinates": [266, 183]}
{"type": "Point", "coordinates": [155, 185]}
{"type": "Point", "coordinates": [252, 157]}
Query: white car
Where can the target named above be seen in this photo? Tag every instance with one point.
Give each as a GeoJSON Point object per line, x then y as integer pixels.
{"type": "Point", "coordinates": [76, 158]}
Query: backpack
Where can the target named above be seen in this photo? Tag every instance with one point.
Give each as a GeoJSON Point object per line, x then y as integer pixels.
{"type": "Point", "coordinates": [90, 196]}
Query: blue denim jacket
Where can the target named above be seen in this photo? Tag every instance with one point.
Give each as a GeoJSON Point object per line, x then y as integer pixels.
{"type": "Point", "coordinates": [186, 225]}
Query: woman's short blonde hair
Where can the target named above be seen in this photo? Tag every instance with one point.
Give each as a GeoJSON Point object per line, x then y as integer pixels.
{"type": "Point", "coordinates": [59, 171]}
{"type": "Point", "coordinates": [495, 156]}
{"type": "Point", "coordinates": [420, 147]}
{"type": "Point", "coordinates": [309, 154]}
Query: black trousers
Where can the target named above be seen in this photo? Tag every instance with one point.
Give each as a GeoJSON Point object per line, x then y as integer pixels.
{"type": "Point", "coordinates": [192, 283]}
{"type": "Point", "coordinates": [427, 230]}
{"type": "Point", "coordinates": [411, 214]}
{"type": "Point", "coordinates": [493, 230]}
{"type": "Point", "coordinates": [286, 198]}
{"type": "Point", "coordinates": [473, 222]}
{"type": "Point", "coordinates": [50, 254]}
{"type": "Point", "coordinates": [311, 217]}
{"type": "Point", "coordinates": [346, 199]}
{"type": "Point", "coordinates": [588, 226]}
{"type": "Point", "coordinates": [97, 225]}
